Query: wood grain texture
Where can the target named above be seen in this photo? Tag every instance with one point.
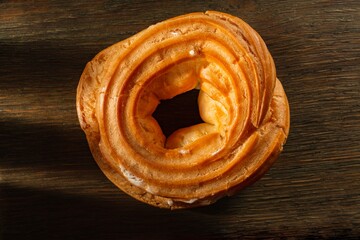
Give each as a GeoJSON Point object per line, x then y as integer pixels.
{"type": "Point", "coordinates": [51, 188]}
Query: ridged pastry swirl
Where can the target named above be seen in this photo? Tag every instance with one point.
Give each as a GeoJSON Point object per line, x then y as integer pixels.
{"type": "Point", "coordinates": [242, 103]}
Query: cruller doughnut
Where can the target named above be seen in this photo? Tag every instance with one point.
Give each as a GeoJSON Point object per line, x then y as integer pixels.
{"type": "Point", "coordinates": [242, 103]}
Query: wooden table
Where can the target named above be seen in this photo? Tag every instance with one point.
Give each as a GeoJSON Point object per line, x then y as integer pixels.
{"type": "Point", "coordinates": [51, 187]}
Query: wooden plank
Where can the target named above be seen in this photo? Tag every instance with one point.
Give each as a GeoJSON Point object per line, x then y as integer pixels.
{"type": "Point", "coordinates": [50, 187]}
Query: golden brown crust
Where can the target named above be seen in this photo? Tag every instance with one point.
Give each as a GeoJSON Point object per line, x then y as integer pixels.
{"type": "Point", "coordinates": [243, 105]}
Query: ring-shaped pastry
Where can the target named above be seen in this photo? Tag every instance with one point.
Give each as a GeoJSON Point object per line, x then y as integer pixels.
{"type": "Point", "coordinates": [242, 103]}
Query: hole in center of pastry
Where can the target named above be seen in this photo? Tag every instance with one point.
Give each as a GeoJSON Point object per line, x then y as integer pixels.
{"type": "Point", "coordinates": [179, 112]}
{"type": "Point", "coordinates": [172, 113]}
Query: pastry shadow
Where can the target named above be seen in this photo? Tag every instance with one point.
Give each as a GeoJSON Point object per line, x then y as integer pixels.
{"type": "Point", "coordinates": [40, 214]}
{"type": "Point", "coordinates": [51, 188]}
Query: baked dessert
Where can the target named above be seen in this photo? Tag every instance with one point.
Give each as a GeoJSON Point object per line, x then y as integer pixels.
{"type": "Point", "coordinates": [242, 103]}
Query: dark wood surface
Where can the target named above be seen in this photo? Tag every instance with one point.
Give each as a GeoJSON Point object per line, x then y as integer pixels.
{"type": "Point", "coordinates": [51, 188]}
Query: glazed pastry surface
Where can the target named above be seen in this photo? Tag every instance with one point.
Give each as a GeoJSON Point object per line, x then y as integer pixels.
{"type": "Point", "coordinates": [242, 103]}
